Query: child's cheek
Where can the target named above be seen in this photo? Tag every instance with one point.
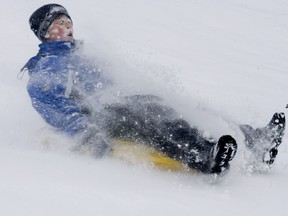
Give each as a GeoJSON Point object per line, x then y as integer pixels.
{"type": "Point", "coordinates": [58, 31]}
{"type": "Point", "coordinates": [55, 31]}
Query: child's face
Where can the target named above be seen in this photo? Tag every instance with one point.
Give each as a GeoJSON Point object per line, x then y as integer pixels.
{"type": "Point", "coordinates": [60, 30]}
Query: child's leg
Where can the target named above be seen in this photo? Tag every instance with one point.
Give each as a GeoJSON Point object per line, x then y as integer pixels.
{"type": "Point", "coordinates": [158, 126]}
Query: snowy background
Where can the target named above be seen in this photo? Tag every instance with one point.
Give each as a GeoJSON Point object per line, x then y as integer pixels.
{"type": "Point", "coordinates": [220, 63]}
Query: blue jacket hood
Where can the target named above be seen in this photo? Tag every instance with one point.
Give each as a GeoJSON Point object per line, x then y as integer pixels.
{"type": "Point", "coordinates": [51, 48]}
{"type": "Point", "coordinates": [56, 48]}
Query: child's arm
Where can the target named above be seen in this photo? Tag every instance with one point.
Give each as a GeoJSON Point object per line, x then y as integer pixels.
{"type": "Point", "coordinates": [48, 98]}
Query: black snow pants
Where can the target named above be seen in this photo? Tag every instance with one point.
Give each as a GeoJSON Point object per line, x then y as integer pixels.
{"type": "Point", "coordinates": [144, 118]}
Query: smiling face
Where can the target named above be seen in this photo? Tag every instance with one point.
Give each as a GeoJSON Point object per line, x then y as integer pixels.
{"type": "Point", "coordinates": [61, 29]}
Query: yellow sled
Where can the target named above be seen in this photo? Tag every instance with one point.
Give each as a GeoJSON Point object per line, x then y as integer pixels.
{"type": "Point", "coordinates": [136, 152]}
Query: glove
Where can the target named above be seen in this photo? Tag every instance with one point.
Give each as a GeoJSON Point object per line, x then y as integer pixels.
{"type": "Point", "coordinates": [95, 142]}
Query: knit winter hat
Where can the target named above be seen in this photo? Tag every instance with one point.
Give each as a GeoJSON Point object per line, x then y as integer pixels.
{"type": "Point", "coordinates": [43, 17]}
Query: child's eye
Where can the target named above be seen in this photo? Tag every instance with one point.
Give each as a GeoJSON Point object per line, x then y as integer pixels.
{"type": "Point", "coordinates": [60, 22]}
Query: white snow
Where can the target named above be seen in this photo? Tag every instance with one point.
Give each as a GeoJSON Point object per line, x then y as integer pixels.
{"type": "Point", "coordinates": [220, 62]}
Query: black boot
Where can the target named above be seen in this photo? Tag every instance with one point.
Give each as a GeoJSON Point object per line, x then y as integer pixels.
{"type": "Point", "coordinates": [224, 152]}
{"type": "Point", "coordinates": [264, 142]}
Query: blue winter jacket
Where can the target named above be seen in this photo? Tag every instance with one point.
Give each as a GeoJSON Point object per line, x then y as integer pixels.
{"type": "Point", "coordinates": [59, 81]}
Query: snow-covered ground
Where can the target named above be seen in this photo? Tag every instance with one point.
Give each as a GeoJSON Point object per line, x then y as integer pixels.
{"type": "Point", "coordinates": [219, 62]}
